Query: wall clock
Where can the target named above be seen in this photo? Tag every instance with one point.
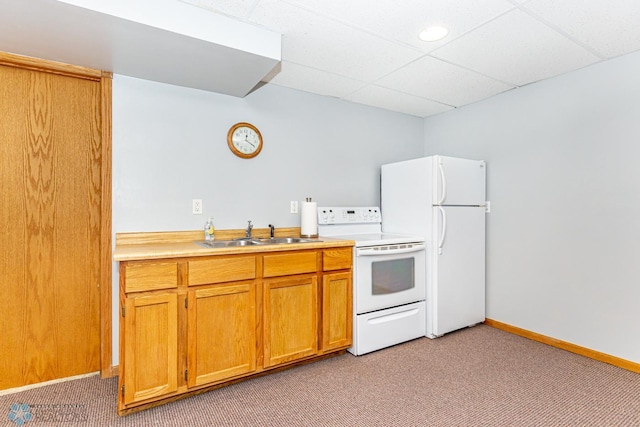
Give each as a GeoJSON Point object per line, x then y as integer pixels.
{"type": "Point", "coordinates": [244, 140]}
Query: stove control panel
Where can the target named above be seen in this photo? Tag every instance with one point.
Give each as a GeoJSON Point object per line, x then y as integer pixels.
{"type": "Point", "coordinates": [345, 215]}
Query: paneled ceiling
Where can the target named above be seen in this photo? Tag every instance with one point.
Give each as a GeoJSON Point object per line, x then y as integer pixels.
{"type": "Point", "coordinates": [368, 51]}
{"type": "Point", "coordinates": [364, 51]}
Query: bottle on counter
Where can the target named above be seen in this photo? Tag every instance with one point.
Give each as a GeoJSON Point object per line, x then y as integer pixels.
{"type": "Point", "coordinates": [209, 230]}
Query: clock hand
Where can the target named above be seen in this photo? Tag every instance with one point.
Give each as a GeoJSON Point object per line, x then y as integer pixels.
{"type": "Point", "coordinates": [249, 142]}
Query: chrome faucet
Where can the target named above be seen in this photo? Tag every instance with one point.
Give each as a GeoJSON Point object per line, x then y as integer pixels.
{"type": "Point", "coordinates": [248, 230]}
{"type": "Point", "coordinates": [272, 231]}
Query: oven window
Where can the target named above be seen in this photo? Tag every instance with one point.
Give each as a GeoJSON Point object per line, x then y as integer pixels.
{"type": "Point", "coordinates": [392, 276]}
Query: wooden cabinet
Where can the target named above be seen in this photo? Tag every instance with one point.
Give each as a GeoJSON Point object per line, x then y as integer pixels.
{"type": "Point", "coordinates": [221, 269]}
{"type": "Point", "coordinates": [290, 319]}
{"type": "Point", "coordinates": [150, 347]}
{"type": "Point", "coordinates": [286, 264]}
{"type": "Point", "coordinates": [337, 299]}
{"type": "Point", "coordinates": [290, 306]}
{"type": "Point", "coordinates": [221, 319]}
{"type": "Point", "coordinates": [337, 259]}
{"type": "Point", "coordinates": [149, 276]}
{"type": "Point", "coordinates": [194, 323]}
{"type": "Point", "coordinates": [148, 331]}
{"type": "Point", "coordinates": [221, 333]}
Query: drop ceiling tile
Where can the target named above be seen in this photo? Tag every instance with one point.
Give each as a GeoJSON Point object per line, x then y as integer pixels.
{"type": "Point", "coordinates": [439, 81]}
{"type": "Point", "coordinates": [611, 28]}
{"type": "Point", "coordinates": [315, 81]}
{"type": "Point", "coordinates": [403, 20]}
{"type": "Point", "coordinates": [517, 49]}
{"type": "Point", "coordinates": [319, 42]}
{"type": "Point", "coordinates": [396, 101]}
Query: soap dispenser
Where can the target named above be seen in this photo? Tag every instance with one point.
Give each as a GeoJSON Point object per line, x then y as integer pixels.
{"type": "Point", "coordinates": [209, 230]}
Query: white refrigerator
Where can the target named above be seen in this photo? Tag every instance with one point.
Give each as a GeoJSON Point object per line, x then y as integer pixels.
{"type": "Point", "coordinates": [443, 199]}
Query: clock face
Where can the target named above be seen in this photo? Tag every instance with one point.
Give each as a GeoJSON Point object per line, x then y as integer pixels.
{"type": "Point", "coordinates": [244, 140]}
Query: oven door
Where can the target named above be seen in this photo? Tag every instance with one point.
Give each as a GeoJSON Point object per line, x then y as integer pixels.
{"type": "Point", "coordinates": [389, 275]}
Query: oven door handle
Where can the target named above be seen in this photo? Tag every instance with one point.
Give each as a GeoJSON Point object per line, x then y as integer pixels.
{"type": "Point", "coordinates": [376, 251]}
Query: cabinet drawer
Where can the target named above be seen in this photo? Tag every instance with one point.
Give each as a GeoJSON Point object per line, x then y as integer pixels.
{"type": "Point", "coordinates": [289, 263]}
{"type": "Point", "coordinates": [337, 259]}
{"type": "Point", "coordinates": [222, 269]}
{"type": "Point", "coordinates": [149, 276]}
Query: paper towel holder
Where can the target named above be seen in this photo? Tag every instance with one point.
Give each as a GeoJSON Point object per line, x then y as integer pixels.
{"type": "Point", "coordinates": [309, 219]}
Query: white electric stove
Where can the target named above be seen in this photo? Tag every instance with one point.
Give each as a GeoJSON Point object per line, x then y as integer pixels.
{"type": "Point", "coordinates": [388, 278]}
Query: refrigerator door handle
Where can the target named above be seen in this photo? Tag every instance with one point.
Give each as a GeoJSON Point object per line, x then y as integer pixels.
{"type": "Point", "coordinates": [444, 183]}
{"type": "Point", "coordinates": [443, 231]}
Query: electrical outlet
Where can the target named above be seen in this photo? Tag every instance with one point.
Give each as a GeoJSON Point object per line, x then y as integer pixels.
{"type": "Point", "coordinates": [294, 206]}
{"type": "Point", "coordinates": [487, 206]}
{"type": "Point", "coordinates": [197, 206]}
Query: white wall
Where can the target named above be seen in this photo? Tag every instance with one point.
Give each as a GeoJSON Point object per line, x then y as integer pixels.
{"type": "Point", "coordinates": [169, 147]}
{"type": "Point", "coordinates": [563, 236]}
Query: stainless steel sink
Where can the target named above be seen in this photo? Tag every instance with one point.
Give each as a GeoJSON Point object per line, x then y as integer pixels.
{"type": "Point", "coordinates": [285, 240]}
{"type": "Point", "coordinates": [242, 243]}
{"type": "Point", "coordinates": [228, 243]}
{"type": "Point", "coordinates": [254, 242]}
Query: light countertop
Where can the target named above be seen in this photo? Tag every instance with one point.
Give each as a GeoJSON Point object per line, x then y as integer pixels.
{"type": "Point", "coordinates": [178, 249]}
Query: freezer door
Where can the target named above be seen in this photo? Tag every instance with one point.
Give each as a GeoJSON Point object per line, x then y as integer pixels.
{"type": "Point", "coordinates": [459, 181]}
{"type": "Point", "coordinates": [406, 197]}
{"type": "Point", "coordinates": [456, 285]}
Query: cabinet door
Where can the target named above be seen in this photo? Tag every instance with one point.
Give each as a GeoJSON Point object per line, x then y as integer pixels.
{"type": "Point", "coordinates": [336, 311]}
{"type": "Point", "coordinates": [221, 332]}
{"type": "Point", "coordinates": [290, 319]}
{"type": "Point", "coordinates": [150, 346]}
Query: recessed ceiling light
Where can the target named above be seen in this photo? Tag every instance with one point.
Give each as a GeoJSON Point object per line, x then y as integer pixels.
{"type": "Point", "coordinates": [433, 34]}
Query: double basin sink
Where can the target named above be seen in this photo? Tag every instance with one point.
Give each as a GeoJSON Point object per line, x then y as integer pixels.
{"type": "Point", "coordinates": [254, 242]}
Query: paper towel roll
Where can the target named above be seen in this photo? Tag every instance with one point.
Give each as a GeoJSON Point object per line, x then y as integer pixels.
{"type": "Point", "coordinates": [309, 219]}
